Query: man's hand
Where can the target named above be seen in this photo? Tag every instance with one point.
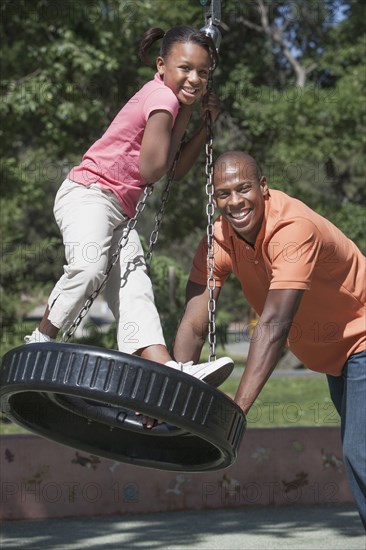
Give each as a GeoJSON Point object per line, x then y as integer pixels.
{"type": "Point", "coordinates": [193, 327]}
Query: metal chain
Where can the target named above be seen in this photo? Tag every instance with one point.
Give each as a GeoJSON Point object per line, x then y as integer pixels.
{"type": "Point", "coordinates": [114, 259]}
{"type": "Point", "coordinates": [124, 240]}
{"type": "Point", "coordinates": [210, 211]}
{"type": "Point", "coordinates": [160, 214]}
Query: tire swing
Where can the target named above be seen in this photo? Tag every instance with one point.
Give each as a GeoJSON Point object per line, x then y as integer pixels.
{"type": "Point", "coordinates": [85, 397]}
{"type": "Point", "coordinates": [41, 386]}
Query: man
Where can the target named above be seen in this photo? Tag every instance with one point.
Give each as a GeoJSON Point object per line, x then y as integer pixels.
{"type": "Point", "coordinates": [305, 280]}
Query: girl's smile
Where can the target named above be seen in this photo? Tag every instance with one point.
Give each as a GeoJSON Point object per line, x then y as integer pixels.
{"type": "Point", "coordinates": [185, 71]}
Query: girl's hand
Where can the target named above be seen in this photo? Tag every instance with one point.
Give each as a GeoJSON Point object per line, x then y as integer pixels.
{"type": "Point", "coordinates": [210, 102]}
{"type": "Point", "coordinates": [147, 421]}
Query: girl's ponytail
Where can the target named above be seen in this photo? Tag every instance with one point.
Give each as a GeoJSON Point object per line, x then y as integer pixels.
{"type": "Point", "coordinates": [148, 39]}
{"type": "Point", "coordinates": [177, 35]}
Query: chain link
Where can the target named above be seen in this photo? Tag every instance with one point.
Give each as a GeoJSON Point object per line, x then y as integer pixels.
{"type": "Point", "coordinates": [124, 240]}
{"type": "Point", "coordinates": [160, 214]}
{"type": "Point", "coordinates": [114, 259]}
{"type": "Point", "coordinates": [210, 211]}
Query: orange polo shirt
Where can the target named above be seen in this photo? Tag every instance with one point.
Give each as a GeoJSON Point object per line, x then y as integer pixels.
{"type": "Point", "coordinates": [297, 248]}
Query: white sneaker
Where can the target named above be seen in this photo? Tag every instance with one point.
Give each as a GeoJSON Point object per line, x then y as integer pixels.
{"type": "Point", "coordinates": [37, 337]}
{"type": "Point", "coordinates": [213, 373]}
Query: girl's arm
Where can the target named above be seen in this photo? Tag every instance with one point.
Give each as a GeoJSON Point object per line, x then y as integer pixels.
{"type": "Point", "coordinates": [155, 146]}
{"type": "Point", "coordinates": [179, 129]}
{"type": "Point", "coordinates": [161, 141]}
{"type": "Point", "coordinates": [193, 147]}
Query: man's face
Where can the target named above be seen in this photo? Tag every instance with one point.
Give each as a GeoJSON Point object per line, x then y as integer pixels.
{"type": "Point", "coordinates": [239, 196]}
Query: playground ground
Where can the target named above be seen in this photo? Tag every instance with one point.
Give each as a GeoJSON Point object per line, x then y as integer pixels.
{"type": "Point", "coordinates": [319, 527]}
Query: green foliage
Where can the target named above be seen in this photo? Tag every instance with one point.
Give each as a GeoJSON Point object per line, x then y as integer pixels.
{"type": "Point", "coordinates": [95, 337]}
{"type": "Point", "coordinates": [68, 67]}
{"type": "Point", "coordinates": [350, 218]}
{"type": "Point", "coordinates": [169, 282]}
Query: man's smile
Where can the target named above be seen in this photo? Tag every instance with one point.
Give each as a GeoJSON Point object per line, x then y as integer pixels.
{"type": "Point", "coordinates": [240, 215]}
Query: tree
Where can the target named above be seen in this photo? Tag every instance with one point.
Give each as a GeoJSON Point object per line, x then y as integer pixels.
{"type": "Point", "coordinates": [68, 67]}
{"type": "Point", "coordinates": [67, 70]}
{"type": "Point", "coordinates": [304, 122]}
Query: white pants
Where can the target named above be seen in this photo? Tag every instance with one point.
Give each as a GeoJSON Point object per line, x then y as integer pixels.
{"type": "Point", "coordinates": [91, 222]}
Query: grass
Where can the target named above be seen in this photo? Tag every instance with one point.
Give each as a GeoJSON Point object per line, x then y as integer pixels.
{"type": "Point", "coordinates": [290, 401]}
{"type": "Point", "coordinates": [10, 428]}
{"type": "Point", "coordinates": [284, 401]}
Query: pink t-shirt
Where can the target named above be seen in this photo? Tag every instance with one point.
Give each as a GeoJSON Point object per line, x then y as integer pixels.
{"type": "Point", "coordinates": [113, 160]}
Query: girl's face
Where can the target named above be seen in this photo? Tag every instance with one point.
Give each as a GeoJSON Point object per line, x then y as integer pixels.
{"type": "Point", "coordinates": [185, 71]}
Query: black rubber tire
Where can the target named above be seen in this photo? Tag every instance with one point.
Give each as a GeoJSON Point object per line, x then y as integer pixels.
{"type": "Point", "coordinates": [41, 384]}
{"type": "Point", "coordinates": [113, 416]}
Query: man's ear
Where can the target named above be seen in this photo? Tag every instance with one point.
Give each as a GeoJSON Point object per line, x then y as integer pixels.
{"type": "Point", "coordinates": [263, 185]}
{"type": "Point", "coordinates": [160, 65]}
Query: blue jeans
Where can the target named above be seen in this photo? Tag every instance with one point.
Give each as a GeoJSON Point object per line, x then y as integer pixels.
{"type": "Point", "coordinates": [348, 393]}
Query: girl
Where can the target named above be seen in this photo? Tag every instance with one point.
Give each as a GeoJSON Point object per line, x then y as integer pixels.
{"type": "Point", "coordinates": [93, 205]}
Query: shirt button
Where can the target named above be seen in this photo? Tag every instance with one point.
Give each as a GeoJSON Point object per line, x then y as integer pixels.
{"type": "Point", "coordinates": [256, 261]}
{"type": "Point", "coordinates": [247, 247]}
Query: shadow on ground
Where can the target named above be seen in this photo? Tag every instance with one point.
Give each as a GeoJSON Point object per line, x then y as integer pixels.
{"type": "Point", "coordinates": [284, 528]}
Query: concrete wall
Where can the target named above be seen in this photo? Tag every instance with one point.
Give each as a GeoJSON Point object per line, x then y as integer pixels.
{"type": "Point", "coordinates": [275, 466]}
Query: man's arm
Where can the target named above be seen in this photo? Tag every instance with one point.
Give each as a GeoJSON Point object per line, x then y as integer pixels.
{"type": "Point", "coordinates": [193, 328]}
{"type": "Point", "coordinates": [268, 341]}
